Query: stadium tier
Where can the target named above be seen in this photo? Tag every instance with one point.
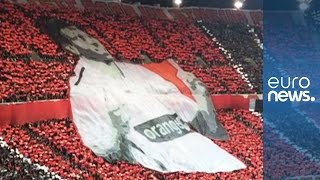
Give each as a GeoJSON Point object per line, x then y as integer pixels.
{"type": "Point", "coordinates": [150, 39]}
{"type": "Point", "coordinates": [117, 91]}
{"type": "Point", "coordinates": [57, 145]}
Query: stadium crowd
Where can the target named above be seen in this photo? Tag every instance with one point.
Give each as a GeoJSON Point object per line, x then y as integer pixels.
{"type": "Point", "coordinates": [57, 145]}
{"type": "Point", "coordinates": [35, 53]}
{"type": "Point", "coordinates": [34, 67]}
{"type": "Point", "coordinates": [240, 42]}
{"type": "Point", "coordinates": [14, 165]}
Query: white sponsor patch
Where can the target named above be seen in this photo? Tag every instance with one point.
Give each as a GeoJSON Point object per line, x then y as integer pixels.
{"type": "Point", "coordinates": [164, 128]}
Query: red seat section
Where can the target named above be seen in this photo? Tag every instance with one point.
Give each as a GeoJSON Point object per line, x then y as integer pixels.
{"type": "Point", "coordinates": [33, 80]}
{"type": "Point", "coordinates": [125, 35]}
{"type": "Point", "coordinates": [57, 145]}
{"type": "Point", "coordinates": [34, 67]}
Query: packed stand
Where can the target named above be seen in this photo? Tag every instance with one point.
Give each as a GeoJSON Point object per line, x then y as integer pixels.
{"type": "Point", "coordinates": [42, 143]}
{"type": "Point", "coordinates": [14, 165]}
{"type": "Point", "coordinates": [129, 11]}
{"type": "Point", "coordinates": [57, 145]}
{"type": "Point", "coordinates": [126, 43]}
{"type": "Point", "coordinates": [240, 43]}
{"type": "Point", "coordinates": [32, 80]}
{"type": "Point", "coordinates": [207, 14]}
{"type": "Point", "coordinates": [32, 66]}
{"type": "Point", "coordinates": [177, 14]}
{"type": "Point", "coordinates": [151, 12]}
{"type": "Point", "coordinates": [187, 45]}
{"type": "Point", "coordinates": [19, 37]}
{"type": "Point", "coordinates": [257, 18]}
{"type": "Point", "coordinates": [159, 40]}
{"type": "Point", "coordinates": [115, 8]}
{"type": "Point", "coordinates": [250, 120]}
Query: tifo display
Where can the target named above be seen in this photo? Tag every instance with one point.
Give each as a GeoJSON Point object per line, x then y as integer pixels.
{"type": "Point", "coordinates": [118, 91]}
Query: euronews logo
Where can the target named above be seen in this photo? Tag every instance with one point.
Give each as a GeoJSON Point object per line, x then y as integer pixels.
{"type": "Point", "coordinates": [289, 90]}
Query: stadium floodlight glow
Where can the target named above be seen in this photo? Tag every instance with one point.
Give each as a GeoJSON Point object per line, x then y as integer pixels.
{"type": "Point", "coordinates": [238, 4]}
{"type": "Point", "coordinates": [178, 2]}
{"type": "Point", "coordinates": [303, 6]}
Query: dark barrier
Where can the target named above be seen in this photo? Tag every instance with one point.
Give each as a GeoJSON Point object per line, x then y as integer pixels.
{"type": "Point", "coordinates": [259, 106]}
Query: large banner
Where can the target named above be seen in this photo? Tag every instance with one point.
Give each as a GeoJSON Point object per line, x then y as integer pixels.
{"type": "Point", "coordinates": [138, 113]}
